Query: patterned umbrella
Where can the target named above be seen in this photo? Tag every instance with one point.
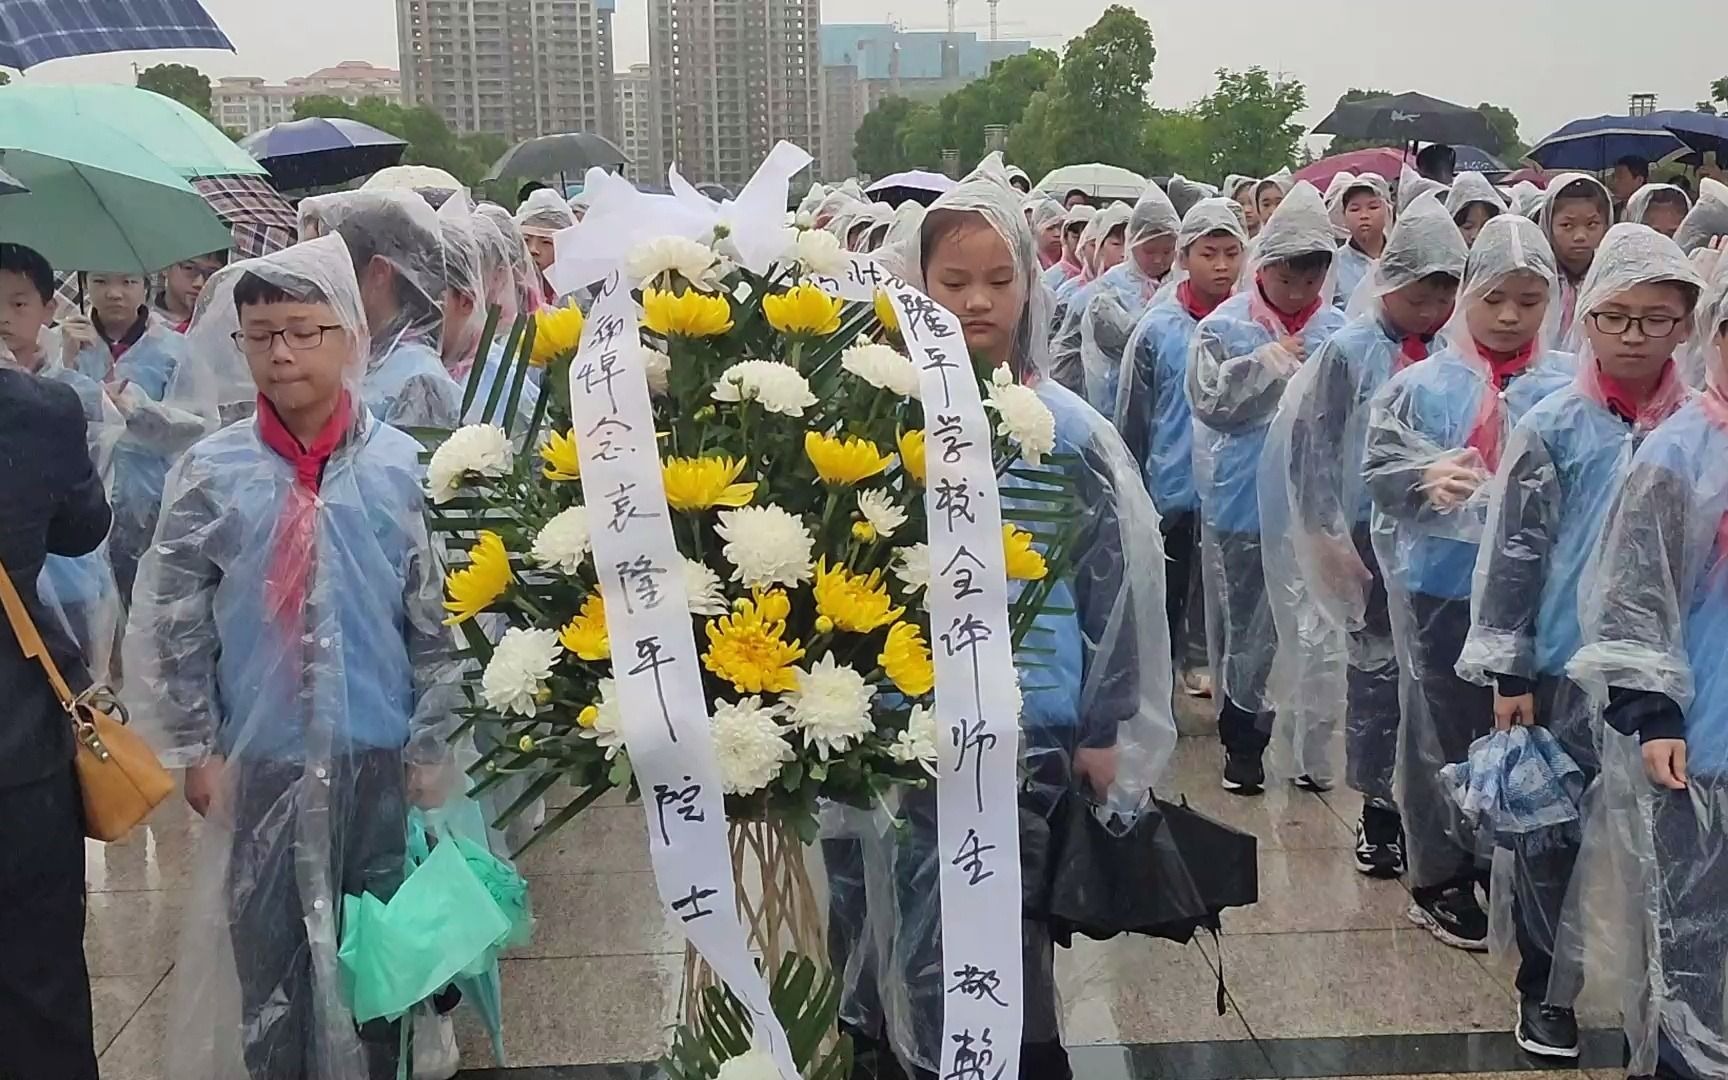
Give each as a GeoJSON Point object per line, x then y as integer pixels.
{"type": "Point", "coordinates": [32, 31]}
{"type": "Point", "coordinates": [261, 220]}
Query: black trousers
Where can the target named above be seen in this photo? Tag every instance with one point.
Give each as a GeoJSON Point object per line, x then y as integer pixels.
{"type": "Point", "coordinates": [1184, 596]}
{"type": "Point", "coordinates": [1692, 887]}
{"type": "Point", "coordinates": [1371, 712]}
{"type": "Point", "coordinates": [368, 831]}
{"type": "Point", "coordinates": [46, 1029]}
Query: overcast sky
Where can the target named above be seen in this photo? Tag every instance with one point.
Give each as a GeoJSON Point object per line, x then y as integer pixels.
{"type": "Point", "coordinates": [1548, 60]}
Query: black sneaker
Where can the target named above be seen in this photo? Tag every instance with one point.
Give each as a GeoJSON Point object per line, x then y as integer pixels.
{"type": "Point", "coordinates": [1307, 783]}
{"type": "Point", "coordinates": [1380, 843]}
{"type": "Point", "coordinates": [1452, 914]}
{"type": "Point", "coordinates": [1546, 1030]}
{"type": "Point", "coordinates": [1244, 774]}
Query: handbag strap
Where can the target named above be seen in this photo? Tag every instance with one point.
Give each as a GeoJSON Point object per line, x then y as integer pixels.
{"type": "Point", "coordinates": [30, 640]}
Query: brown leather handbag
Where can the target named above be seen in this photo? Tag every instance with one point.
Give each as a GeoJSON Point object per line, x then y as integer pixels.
{"type": "Point", "coordinates": [118, 774]}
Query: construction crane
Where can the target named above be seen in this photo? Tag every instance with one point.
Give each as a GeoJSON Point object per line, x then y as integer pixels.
{"type": "Point", "coordinates": [952, 4]}
{"type": "Point", "coordinates": [993, 4]}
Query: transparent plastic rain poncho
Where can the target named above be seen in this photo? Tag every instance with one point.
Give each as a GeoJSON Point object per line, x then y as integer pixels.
{"type": "Point", "coordinates": [1109, 685]}
{"type": "Point", "coordinates": [1654, 614]}
{"type": "Point", "coordinates": [1075, 293]}
{"type": "Point", "coordinates": [1638, 206]}
{"type": "Point", "coordinates": [544, 213]}
{"type": "Point", "coordinates": [1151, 409]}
{"type": "Point", "coordinates": [1708, 218]}
{"type": "Point", "coordinates": [812, 200]}
{"type": "Point", "coordinates": [465, 276]}
{"type": "Point", "coordinates": [1448, 414]}
{"type": "Point", "coordinates": [1563, 328]}
{"type": "Point", "coordinates": [1353, 265]}
{"type": "Point", "coordinates": [397, 233]}
{"type": "Point", "coordinates": [1237, 373]}
{"type": "Point", "coordinates": [297, 637]}
{"type": "Point", "coordinates": [1119, 297]}
{"type": "Point", "coordinates": [1470, 190]}
{"type": "Point", "coordinates": [1527, 199]}
{"type": "Point", "coordinates": [1551, 499]}
{"type": "Point", "coordinates": [1335, 651]}
{"type": "Point", "coordinates": [505, 264]}
{"type": "Point", "coordinates": [908, 219]}
{"type": "Point", "coordinates": [1185, 194]}
{"type": "Point", "coordinates": [1412, 185]}
{"type": "Point", "coordinates": [168, 404]}
{"type": "Point", "coordinates": [1043, 212]}
{"type": "Point", "coordinates": [1067, 268]}
{"type": "Point", "coordinates": [836, 204]}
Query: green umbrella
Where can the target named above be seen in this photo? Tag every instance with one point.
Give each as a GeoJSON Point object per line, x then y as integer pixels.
{"type": "Point", "coordinates": [184, 141]}
{"type": "Point", "coordinates": [97, 199]}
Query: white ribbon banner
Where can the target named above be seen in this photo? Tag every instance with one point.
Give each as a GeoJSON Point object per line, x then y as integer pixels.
{"type": "Point", "coordinates": [859, 281]}
{"type": "Point", "coordinates": [977, 818]}
{"type": "Point", "coordinates": [654, 658]}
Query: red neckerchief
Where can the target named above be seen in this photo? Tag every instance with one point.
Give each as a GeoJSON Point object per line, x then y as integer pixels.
{"type": "Point", "coordinates": [291, 562]}
{"type": "Point", "coordinates": [182, 327]}
{"type": "Point", "coordinates": [1486, 433]}
{"type": "Point", "coordinates": [1622, 400]}
{"type": "Point", "coordinates": [1192, 303]}
{"type": "Point", "coordinates": [117, 347]}
{"type": "Point", "coordinates": [1503, 367]}
{"type": "Point", "coordinates": [1716, 408]}
{"type": "Point", "coordinates": [1293, 324]}
{"type": "Point", "coordinates": [1414, 347]}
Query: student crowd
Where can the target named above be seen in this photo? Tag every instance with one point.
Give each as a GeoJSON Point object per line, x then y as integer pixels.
{"type": "Point", "coordinates": [1433, 468]}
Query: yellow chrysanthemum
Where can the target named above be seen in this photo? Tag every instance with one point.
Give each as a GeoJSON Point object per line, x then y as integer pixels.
{"type": "Point", "coordinates": [585, 634]}
{"type": "Point", "coordinates": [773, 605]}
{"type": "Point", "coordinates": [912, 453]}
{"type": "Point", "coordinates": [843, 461]}
{"type": "Point", "coordinates": [805, 310]}
{"type": "Point", "coordinates": [473, 588]}
{"type": "Point", "coordinates": [559, 454]}
{"type": "Point", "coordinates": [557, 332]}
{"type": "Point", "coordinates": [885, 312]}
{"type": "Point", "coordinates": [906, 660]}
{"type": "Point", "coordinates": [863, 532]}
{"type": "Point", "coordinates": [589, 716]}
{"type": "Point", "coordinates": [748, 648]}
{"type": "Point", "coordinates": [691, 314]}
{"type": "Point", "coordinates": [855, 602]}
{"type": "Point", "coordinates": [699, 483]}
{"type": "Point", "coordinates": [1023, 560]}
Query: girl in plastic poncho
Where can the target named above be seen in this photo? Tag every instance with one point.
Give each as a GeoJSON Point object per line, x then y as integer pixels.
{"type": "Point", "coordinates": [80, 591]}
{"type": "Point", "coordinates": [177, 299]}
{"type": "Point", "coordinates": [542, 216]}
{"type": "Point", "coordinates": [1663, 207]}
{"type": "Point", "coordinates": [1336, 656]}
{"type": "Point", "coordinates": [286, 648]}
{"type": "Point", "coordinates": [1654, 613]}
{"type": "Point", "coordinates": [1707, 221]}
{"type": "Point", "coordinates": [1240, 190]}
{"type": "Point", "coordinates": [1473, 202]}
{"type": "Point", "coordinates": [1102, 247]}
{"type": "Point", "coordinates": [502, 257]}
{"type": "Point", "coordinates": [1153, 416]}
{"type": "Point", "coordinates": [1576, 214]}
{"type": "Point", "coordinates": [1098, 716]}
{"type": "Point", "coordinates": [397, 246]}
{"type": "Point", "coordinates": [1045, 215]}
{"type": "Point", "coordinates": [1435, 435]}
{"type": "Point", "coordinates": [1559, 475]}
{"type": "Point", "coordinates": [1242, 358]}
{"type": "Point", "coordinates": [1074, 223]}
{"type": "Point", "coordinates": [1122, 294]}
{"type": "Point", "coordinates": [465, 287]}
{"type": "Point", "coordinates": [138, 359]}
{"type": "Point", "coordinates": [1364, 209]}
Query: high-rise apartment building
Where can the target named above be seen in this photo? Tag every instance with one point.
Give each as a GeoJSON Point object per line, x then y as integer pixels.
{"type": "Point", "coordinates": [636, 127]}
{"type": "Point", "coordinates": [517, 68]}
{"type": "Point", "coordinates": [247, 104]}
{"type": "Point", "coordinates": [730, 79]}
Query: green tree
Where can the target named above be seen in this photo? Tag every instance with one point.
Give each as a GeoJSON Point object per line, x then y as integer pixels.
{"type": "Point", "coordinates": [5, 77]}
{"type": "Point", "coordinates": [1508, 144]}
{"type": "Point", "coordinates": [1719, 90]}
{"type": "Point", "coordinates": [1029, 144]}
{"type": "Point", "coordinates": [430, 140]}
{"type": "Point", "coordinates": [1000, 97]}
{"type": "Point", "coordinates": [876, 147]}
{"type": "Point", "coordinates": [1098, 102]}
{"type": "Point", "coordinates": [1247, 122]}
{"type": "Point", "coordinates": [923, 137]}
{"type": "Point", "coordinates": [182, 82]}
{"type": "Point", "coordinates": [1175, 141]}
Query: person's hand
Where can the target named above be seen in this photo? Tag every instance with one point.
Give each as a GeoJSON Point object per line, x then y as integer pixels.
{"type": "Point", "coordinates": [1346, 574]}
{"type": "Point", "coordinates": [202, 783]}
{"type": "Point", "coordinates": [1449, 482]}
{"type": "Point", "coordinates": [1097, 767]}
{"type": "Point", "coordinates": [1665, 761]}
{"type": "Point", "coordinates": [1293, 345]}
{"type": "Point", "coordinates": [116, 392]}
{"type": "Point", "coordinates": [428, 786]}
{"type": "Point", "coordinates": [1510, 712]}
{"type": "Point", "coordinates": [76, 331]}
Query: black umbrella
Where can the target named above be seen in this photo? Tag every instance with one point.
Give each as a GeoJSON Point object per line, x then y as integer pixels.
{"type": "Point", "coordinates": [570, 154]}
{"type": "Point", "coordinates": [1407, 118]}
{"type": "Point", "coordinates": [322, 150]}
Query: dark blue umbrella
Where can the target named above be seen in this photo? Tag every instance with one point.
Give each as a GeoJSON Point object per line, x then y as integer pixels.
{"type": "Point", "coordinates": [1476, 159]}
{"type": "Point", "coordinates": [322, 150]}
{"type": "Point", "coordinates": [32, 31]}
{"type": "Point", "coordinates": [1704, 133]}
{"type": "Point", "coordinates": [1597, 143]}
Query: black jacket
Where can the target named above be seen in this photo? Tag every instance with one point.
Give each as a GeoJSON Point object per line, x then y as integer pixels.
{"type": "Point", "coordinates": [51, 503]}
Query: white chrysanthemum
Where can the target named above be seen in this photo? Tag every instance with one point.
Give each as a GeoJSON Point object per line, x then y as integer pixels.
{"type": "Point", "coordinates": [755, 1065]}
{"type": "Point", "coordinates": [831, 706]}
{"type": "Point", "coordinates": [804, 220]}
{"type": "Point", "coordinates": [749, 744]}
{"type": "Point", "coordinates": [563, 542]}
{"type": "Point", "coordinates": [608, 726]}
{"type": "Point", "coordinates": [879, 510]}
{"type": "Point", "coordinates": [818, 251]}
{"type": "Point", "coordinates": [912, 566]}
{"type": "Point", "coordinates": [1019, 698]}
{"type": "Point", "coordinates": [702, 585]}
{"type": "Point", "coordinates": [883, 367]}
{"type": "Point", "coordinates": [766, 546]}
{"type": "Point", "coordinates": [693, 262]}
{"type": "Point", "coordinates": [1023, 418]}
{"type": "Point", "coordinates": [918, 741]}
{"type": "Point", "coordinates": [477, 449]}
{"type": "Point", "coordinates": [520, 665]}
{"type": "Point", "coordinates": [658, 367]}
{"type": "Point", "coordinates": [777, 386]}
